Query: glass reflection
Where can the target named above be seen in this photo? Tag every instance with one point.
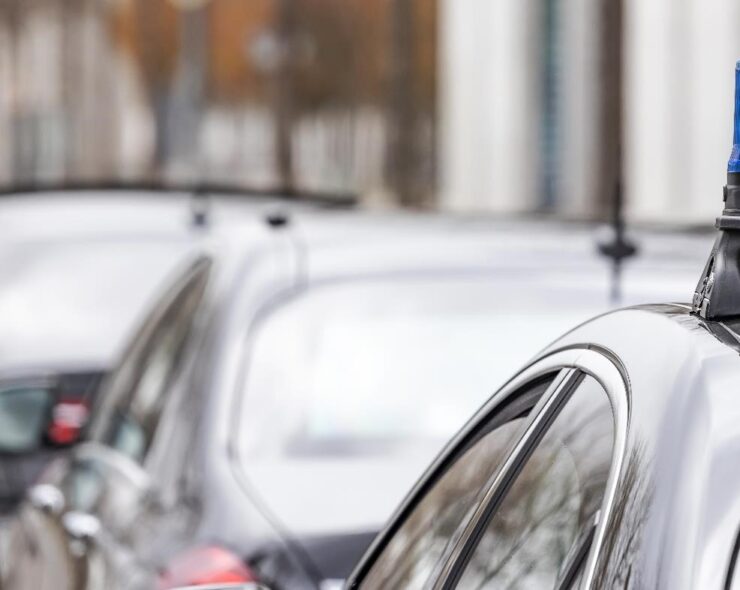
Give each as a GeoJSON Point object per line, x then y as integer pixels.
{"type": "Point", "coordinates": [553, 500]}
{"type": "Point", "coordinates": [412, 554]}
{"type": "Point", "coordinates": [623, 543]}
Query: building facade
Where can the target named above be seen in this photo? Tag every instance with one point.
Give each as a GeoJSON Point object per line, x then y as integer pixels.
{"type": "Point", "coordinates": [521, 93]}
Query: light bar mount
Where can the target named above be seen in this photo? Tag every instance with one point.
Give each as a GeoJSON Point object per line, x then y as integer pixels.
{"type": "Point", "coordinates": [717, 295]}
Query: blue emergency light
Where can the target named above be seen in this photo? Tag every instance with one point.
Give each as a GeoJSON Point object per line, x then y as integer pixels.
{"type": "Point", "coordinates": [734, 164]}
{"type": "Point", "coordinates": [717, 296]}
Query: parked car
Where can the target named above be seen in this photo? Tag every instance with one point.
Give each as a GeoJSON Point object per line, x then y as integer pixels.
{"type": "Point", "coordinates": [295, 381]}
{"type": "Point", "coordinates": [41, 414]}
{"type": "Point", "coordinates": [77, 273]}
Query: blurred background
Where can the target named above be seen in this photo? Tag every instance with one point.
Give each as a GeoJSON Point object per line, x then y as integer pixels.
{"type": "Point", "coordinates": [299, 364]}
{"type": "Point", "coordinates": [506, 106]}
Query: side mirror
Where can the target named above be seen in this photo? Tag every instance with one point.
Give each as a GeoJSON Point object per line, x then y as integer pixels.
{"type": "Point", "coordinates": [46, 498]}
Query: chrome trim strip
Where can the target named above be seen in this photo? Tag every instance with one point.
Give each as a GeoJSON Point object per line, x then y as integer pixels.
{"type": "Point", "coordinates": [611, 378]}
{"type": "Point", "coordinates": [530, 373]}
{"type": "Point", "coordinates": [514, 459]}
{"type": "Point", "coordinates": [540, 419]}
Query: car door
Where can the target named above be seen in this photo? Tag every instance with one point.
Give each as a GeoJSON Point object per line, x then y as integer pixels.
{"type": "Point", "coordinates": [521, 497]}
{"type": "Point", "coordinates": [90, 503]}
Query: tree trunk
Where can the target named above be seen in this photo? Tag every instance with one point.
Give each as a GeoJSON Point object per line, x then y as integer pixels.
{"type": "Point", "coordinates": [610, 107]}
{"type": "Point", "coordinates": [402, 154]}
{"type": "Point", "coordinates": [283, 95]}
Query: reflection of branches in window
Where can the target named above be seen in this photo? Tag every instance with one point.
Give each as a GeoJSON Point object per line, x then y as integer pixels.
{"type": "Point", "coordinates": [524, 572]}
{"type": "Point", "coordinates": [525, 536]}
{"type": "Point", "coordinates": [426, 543]}
{"type": "Point", "coordinates": [590, 439]}
{"type": "Point", "coordinates": [430, 529]}
{"type": "Point", "coordinates": [622, 541]}
{"type": "Point", "coordinates": [541, 503]}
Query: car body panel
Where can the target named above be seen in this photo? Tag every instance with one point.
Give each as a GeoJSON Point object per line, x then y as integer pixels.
{"type": "Point", "coordinates": [680, 513]}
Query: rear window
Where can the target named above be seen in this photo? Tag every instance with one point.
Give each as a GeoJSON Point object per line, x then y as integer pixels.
{"type": "Point", "coordinates": [358, 382]}
{"type": "Point", "coordinates": [365, 367]}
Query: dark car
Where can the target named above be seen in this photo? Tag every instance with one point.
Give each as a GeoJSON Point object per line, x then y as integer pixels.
{"type": "Point", "coordinates": [606, 462]}
{"type": "Point", "coordinates": [40, 416]}
{"type": "Point", "coordinates": [295, 381]}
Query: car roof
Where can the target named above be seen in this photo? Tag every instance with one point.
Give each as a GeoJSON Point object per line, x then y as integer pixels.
{"type": "Point", "coordinates": [79, 271]}
{"type": "Point", "coordinates": [81, 267]}
{"type": "Point", "coordinates": [677, 512]}
{"type": "Point", "coordinates": [132, 214]}
{"type": "Point", "coordinates": [350, 245]}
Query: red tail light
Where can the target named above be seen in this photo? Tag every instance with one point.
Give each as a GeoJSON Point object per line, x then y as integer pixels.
{"type": "Point", "coordinates": [202, 566]}
{"type": "Point", "coordinates": [68, 419]}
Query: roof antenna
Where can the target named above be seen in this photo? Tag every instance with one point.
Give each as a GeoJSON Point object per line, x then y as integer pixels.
{"type": "Point", "coordinates": [200, 208]}
{"type": "Point", "coordinates": [717, 295]}
{"type": "Point", "coordinates": [619, 248]}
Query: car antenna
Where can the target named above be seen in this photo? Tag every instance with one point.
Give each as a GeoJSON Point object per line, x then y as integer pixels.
{"type": "Point", "coordinates": [619, 247]}
{"type": "Point", "coordinates": [200, 207]}
{"type": "Point", "coordinates": [717, 295]}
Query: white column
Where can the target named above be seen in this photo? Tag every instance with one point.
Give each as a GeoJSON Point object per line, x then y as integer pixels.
{"type": "Point", "coordinates": [715, 47]}
{"type": "Point", "coordinates": [579, 131]}
{"type": "Point", "coordinates": [679, 99]}
{"type": "Point", "coordinates": [489, 101]}
{"type": "Point", "coordinates": [655, 121]}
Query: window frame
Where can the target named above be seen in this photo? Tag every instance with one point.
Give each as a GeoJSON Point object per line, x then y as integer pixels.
{"type": "Point", "coordinates": [569, 365]}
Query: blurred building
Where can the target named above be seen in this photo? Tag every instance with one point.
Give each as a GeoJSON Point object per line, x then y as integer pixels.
{"type": "Point", "coordinates": [519, 96]}
{"type": "Point", "coordinates": [506, 106]}
{"type": "Point", "coordinates": [525, 92]}
{"type": "Point", "coordinates": [265, 93]}
{"type": "Point", "coordinates": [679, 62]}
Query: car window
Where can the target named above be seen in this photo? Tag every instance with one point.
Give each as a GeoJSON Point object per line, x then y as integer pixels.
{"type": "Point", "coordinates": [552, 503]}
{"type": "Point", "coordinates": [400, 347]}
{"type": "Point", "coordinates": [372, 377]}
{"type": "Point", "coordinates": [417, 546]}
{"type": "Point", "coordinates": [140, 386]}
{"type": "Point", "coordinates": [24, 413]}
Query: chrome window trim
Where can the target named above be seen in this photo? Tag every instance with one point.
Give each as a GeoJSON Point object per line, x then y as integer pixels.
{"type": "Point", "coordinates": [538, 422]}
{"type": "Point", "coordinates": [571, 362]}
{"type": "Point", "coordinates": [514, 459]}
{"type": "Point", "coordinates": [443, 460]}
